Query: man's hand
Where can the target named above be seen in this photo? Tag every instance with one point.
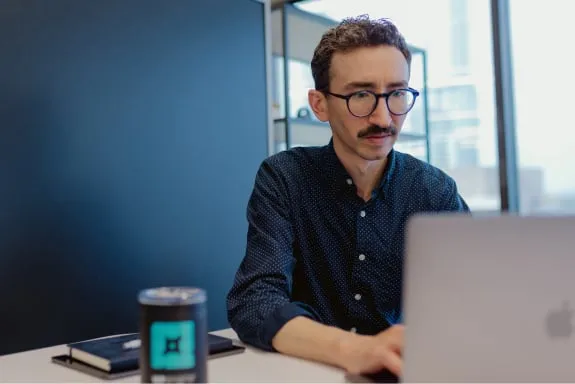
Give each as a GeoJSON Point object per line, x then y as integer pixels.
{"type": "Point", "coordinates": [371, 354]}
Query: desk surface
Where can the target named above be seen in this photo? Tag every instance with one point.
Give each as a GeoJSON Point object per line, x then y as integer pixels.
{"type": "Point", "coordinates": [251, 366]}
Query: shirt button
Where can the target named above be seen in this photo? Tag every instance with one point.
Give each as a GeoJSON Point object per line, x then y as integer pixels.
{"type": "Point", "coordinates": [353, 330]}
{"type": "Point", "coordinates": [362, 213]}
{"type": "Point", "coordinates": [362, 257]}
{"type": "Point", "coordinates": [357, 296]}
{"type": "Point", "coordinates": [349, 181]}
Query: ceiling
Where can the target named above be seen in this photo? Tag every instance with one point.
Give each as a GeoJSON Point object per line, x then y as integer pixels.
{"type": "Point", "coordinates": [277, 3]}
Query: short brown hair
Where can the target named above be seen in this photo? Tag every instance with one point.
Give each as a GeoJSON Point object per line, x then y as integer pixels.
{"type": "Point", "coordinates": [352, 33]}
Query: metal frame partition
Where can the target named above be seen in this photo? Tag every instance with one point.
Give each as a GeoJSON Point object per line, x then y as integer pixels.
{"type": "Point", "coordinates": [424, 98]}
{"type": "Point", "coordinates": [504, 96]}
{"type": "Point", "coordinates": [289, 9]}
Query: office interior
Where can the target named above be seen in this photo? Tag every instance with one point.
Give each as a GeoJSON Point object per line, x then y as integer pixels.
{"type": "Point", "coordinates": [131, 131]}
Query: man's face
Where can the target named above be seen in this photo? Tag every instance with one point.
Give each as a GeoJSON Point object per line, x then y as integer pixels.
{"type": "Point", "coordinates": [380, 69]}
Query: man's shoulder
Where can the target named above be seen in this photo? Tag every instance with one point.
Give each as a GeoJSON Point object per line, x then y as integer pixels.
{"type": "Point", "coordinates": [294, 161]}
{"type": "Point", "coordinates": [432, 187]}
{"type": "Point", "coordinates": [423, 172]}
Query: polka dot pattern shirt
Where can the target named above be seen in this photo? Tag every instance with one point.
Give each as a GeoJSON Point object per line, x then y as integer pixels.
{"type": "Point", "coordinates": [316, 249]}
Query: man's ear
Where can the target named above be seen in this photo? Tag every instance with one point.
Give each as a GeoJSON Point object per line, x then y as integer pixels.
{"type": "Point", "coordinates": [318, 103]}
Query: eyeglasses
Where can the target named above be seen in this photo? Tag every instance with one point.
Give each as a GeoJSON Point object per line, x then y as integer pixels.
{"type": "Point", "coordinates": [363, 103]}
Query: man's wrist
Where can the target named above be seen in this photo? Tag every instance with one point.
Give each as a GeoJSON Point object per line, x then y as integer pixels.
{"type": "Point", "coordinates": [348, 346]}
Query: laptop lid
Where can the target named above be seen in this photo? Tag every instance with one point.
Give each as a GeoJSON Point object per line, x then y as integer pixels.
{"type": "Point", "coordinates": [489, 299]}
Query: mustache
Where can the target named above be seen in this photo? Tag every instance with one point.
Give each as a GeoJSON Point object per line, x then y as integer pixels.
{"type": "Point", "coordinates": [377, 130]}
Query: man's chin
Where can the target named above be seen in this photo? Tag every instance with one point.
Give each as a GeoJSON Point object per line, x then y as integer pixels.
{"type": "Point", "coordinates": [376, 152]}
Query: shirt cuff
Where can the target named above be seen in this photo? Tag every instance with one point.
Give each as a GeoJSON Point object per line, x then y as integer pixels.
{"type": "Point", "coordinates": [280, 317]}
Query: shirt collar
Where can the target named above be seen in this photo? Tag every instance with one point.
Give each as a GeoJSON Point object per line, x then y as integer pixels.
{"type": "Point", "coordinates": [337, 174]}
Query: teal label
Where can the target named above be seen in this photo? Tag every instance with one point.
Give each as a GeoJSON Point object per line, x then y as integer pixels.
{"type": "Point", "coordinates": [172, 345]}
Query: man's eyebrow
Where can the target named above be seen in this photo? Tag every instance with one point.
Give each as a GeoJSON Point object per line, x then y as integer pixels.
{"type": "Point", "coordinates": [397, 84]}
{"type": "Point", "coordinates": [359, 84]}
{"type": "Point", "coordinates": [370, 85]}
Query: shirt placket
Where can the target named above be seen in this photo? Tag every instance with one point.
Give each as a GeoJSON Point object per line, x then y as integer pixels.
{"type": "Point", "coordinates": [363, 210]}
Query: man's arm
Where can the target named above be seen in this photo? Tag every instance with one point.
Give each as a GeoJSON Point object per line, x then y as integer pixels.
{"type": "Point", "coordinates": [311, 340]}
{"type": "Point", "coordinates": [357, 354]}
{"type": "Point", "coordinates": [259, 302]}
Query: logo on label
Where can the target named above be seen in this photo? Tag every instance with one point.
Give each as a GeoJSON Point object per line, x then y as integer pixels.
{"type": "Point", "coordinates": [172, 345]}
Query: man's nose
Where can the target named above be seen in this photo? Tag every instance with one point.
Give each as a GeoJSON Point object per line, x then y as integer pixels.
{"type": "Point", "coordinates": [381, 115]}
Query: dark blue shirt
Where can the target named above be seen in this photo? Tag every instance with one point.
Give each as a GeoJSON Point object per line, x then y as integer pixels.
{"type": "Point", "coordinates": [316, 249]}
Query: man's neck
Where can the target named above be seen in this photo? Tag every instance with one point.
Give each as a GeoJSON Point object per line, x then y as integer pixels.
{"type": "Point", "coordinates": [366, 174]}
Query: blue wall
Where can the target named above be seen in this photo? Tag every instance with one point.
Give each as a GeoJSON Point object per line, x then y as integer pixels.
{"type": "Point", "coordinates": [130, 134]}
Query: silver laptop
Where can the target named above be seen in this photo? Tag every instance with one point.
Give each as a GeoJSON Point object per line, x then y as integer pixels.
{"type": "Point", "coordinates": [490, 299]}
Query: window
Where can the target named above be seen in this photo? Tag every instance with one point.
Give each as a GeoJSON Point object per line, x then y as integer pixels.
{"type": "Point", "coordinates": [459, 36]}
{"type": "Point", "coordinates": [545, 138]}
{"type": "Point", "coordinates": [453, 98]}
{"type": "Point", "coordinates": [461, 116]}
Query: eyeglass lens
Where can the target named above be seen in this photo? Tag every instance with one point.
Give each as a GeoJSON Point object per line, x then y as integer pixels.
{"type": "Point", "coordinates": [363, 103]}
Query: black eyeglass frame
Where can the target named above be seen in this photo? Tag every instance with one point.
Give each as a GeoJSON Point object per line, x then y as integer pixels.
{"type": "Point", "coordinates": [377, 96]}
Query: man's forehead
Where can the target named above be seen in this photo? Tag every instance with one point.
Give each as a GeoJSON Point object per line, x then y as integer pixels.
{"type": "Point", "coordinates": [382, 65]}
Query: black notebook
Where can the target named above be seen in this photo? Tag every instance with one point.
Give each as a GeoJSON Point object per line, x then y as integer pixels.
{"type": "Point", "coordinates": [113, 354]}
{"type": "Point", "coordinates": [118, 356]}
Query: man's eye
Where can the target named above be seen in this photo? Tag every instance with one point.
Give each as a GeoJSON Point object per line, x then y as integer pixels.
{"type": "Point", "coordinates": [362, 94]}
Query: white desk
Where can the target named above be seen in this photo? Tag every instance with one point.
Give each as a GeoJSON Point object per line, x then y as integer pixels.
{"type": "Point", "coordinates": [250, 366]}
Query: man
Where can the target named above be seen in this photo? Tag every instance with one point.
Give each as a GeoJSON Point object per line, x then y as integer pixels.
{"type": "Point", "coordinates": [321, 277]}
